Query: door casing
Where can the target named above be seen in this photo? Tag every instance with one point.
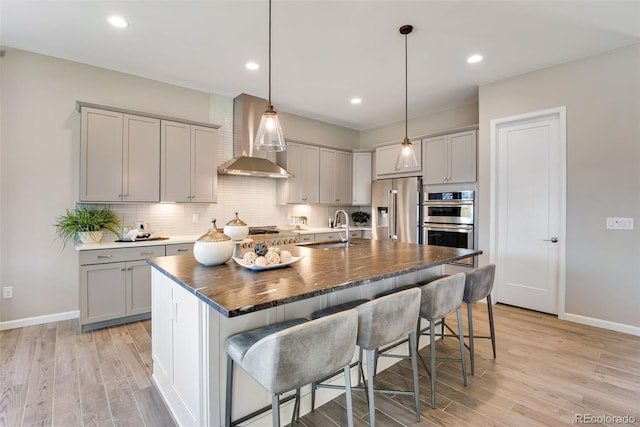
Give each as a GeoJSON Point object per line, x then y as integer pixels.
{"type": "Point", "coordinates": [495, 124]}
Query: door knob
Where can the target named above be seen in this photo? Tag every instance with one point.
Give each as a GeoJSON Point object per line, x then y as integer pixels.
{"type": "Point", "coordinates": [552, 240]}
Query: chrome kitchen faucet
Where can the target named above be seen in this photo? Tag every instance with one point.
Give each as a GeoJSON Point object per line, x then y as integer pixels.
{"type": "Point", "coordinates": [346, 219]}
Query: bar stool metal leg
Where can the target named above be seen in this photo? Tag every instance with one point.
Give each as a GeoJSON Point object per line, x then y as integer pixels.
{"type": "Point", "coordinates": [491, 327]}
{"type": "Point", "coordinates": [227, 416]}
{"type": "Point", "coordinates": [370, 374]}
{"type": "Point", "coordinates": [413, 348]}
{"type": "Point", "coordinates": [275, 409]}
{"type": "Point", "coordinates": [470, 323]}
{"type": "Point", "coordinates": [347, 384]}
{"type": "Point", "coordinates": [461, 339]}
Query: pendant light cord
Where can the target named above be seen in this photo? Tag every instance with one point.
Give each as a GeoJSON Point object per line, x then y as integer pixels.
{"type": "Point", "coordinates": [406, 90]}
{"type": "Point", "coordinates": [269, 52]}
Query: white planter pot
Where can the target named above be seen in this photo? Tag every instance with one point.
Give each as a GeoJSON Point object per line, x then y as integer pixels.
{"type": "Point", "coordinates": [90, 236]}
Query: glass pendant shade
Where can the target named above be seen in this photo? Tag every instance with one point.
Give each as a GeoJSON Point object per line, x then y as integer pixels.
{"type": "Point", "coordinates": [406, 156]}
{"type": "Point", "coordinates": [269, 136]}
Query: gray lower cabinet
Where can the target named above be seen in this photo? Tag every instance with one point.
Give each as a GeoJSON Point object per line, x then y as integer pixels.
{"type": "Point", "coordinates": [115, 285]}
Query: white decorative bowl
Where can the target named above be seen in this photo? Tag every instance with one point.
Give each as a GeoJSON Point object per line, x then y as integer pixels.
{"type": "Point", "coordinates": [213, 253]}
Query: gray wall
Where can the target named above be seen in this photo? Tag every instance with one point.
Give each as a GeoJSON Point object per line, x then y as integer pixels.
{"type": "Point", "coordinates": [453, 118]}
{"type": "Point", "coordinates": [39, 158]}
{"type": "Point", "coordinates": [602, 96]}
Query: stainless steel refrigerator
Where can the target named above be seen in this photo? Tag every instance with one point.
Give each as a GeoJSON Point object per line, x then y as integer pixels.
{"type": "Point", "coordinates": [396, 206]}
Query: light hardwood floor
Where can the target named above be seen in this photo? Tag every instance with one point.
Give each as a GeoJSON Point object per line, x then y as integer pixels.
{"type": "Point", "coordinates": [547, 372]}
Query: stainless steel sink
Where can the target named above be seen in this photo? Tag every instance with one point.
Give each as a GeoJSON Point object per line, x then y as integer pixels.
{"type": "Point", "coordinates": [329, 245]}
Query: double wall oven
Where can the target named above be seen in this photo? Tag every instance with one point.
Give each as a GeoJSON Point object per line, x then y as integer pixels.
{"type": "Point", "coordinates": [447, 220]}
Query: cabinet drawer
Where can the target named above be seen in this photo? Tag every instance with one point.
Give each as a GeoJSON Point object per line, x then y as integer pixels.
{"type": "Point", "coordinates": [307, 238]}
{"type": "Point", "coordinates": [102, 256]}
{"type": "Point", "coordinates": [179, 249]}
{"type": "Point", "coordinates": [355, 234]}
{"type": "Point", "coordinates": [328, 237]}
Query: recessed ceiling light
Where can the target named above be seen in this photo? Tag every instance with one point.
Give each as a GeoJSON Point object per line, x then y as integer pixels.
{"type": "Point", "coordinates": [474, 58]}
{"type": "Point", "coordinates": [356, 101]}
{"type": "Point", "coordinates": [252, 66]}
{"type": "Point", "coordinates": [117, 21]}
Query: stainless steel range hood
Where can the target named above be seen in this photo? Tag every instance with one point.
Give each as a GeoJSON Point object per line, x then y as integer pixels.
{"type": "Point", "coordinates": [247, 110]}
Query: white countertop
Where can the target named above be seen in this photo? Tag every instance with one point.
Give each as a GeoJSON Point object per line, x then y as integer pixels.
{"type": "Point", "coordinates": [172, 240]}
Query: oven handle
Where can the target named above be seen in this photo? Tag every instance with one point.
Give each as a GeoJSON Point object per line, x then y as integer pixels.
{"type": "Point", "coordinates": [449, 227]}
{"type": "Point", "coordinates": [448, 203]}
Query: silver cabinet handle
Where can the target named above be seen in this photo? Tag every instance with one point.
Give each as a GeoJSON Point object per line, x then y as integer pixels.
{"type": "Point", "coordinates": [552, 240]}
{"type": "Point", "coordinates": [104, 256]}
{"type": "Point", "coordinates": [147, 253]}
{"type": "Point", "coordinates": [183, 250]}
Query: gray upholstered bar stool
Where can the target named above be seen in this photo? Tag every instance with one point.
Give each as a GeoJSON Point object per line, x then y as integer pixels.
{"type": "Point", "coordinates": [478, 286]}
{"type": "Point", "coordinates": [383, 321]}
{"type": "Point", "coordinates": [439, 299]}
{"type": "Point", "coordinates": [288, 355]}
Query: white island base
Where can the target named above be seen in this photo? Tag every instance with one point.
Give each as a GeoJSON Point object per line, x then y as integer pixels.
{"type": "Point", "coordinates": [189, 359]}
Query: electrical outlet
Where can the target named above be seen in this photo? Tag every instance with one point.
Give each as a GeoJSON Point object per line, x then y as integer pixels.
{"type": "Point", "coordinates": [7, 292]}
{"type": "Point", "coordinates": [195, 218]}
{"type": "Point", "coordinates": [620, 223]}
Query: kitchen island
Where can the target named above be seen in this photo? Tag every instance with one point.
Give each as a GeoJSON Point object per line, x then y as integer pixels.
{"type": "Point", "coordinates": [195, 308]}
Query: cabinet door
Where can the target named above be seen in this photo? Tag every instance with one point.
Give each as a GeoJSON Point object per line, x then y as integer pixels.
{"type": "Point", "coordinates": [343, 178]}
{"type": "Point", "coordinates": [311, 173]}
{"type": "Point", "coordinates": [162, 326]}
{"type": "Point", "coordinates": [100, 155]}
{"type": "Point", "coordinates": [361, 179]}
{"type": "Point", "coordinates": [204, 163]}
{"type": "Point", "coordinates": [141, 159]}
{"type": "Point", "coordinates": [138, 287]}
{"type": "Point", "coordinates": [328, 169]}
{"type": "Point", "coordinates": [186, 350]}
{"type": "Point", "coordinates": [386, 160]}
{"type": "Point", "coordinates": [435, 160]}
{"type": "Point", "coordinates": [102, 292]}
{"type": "Point", "coordinates": [175, 169]}
{"type": "Point", "coordinates": [462, 157]}
{"type": "Point", "coordinates": [296, 184]}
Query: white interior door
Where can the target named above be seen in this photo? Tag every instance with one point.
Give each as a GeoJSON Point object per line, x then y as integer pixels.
{"type": "Point", "coordinates": [529, 170]}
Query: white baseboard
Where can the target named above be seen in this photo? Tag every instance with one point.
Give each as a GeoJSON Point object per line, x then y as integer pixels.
{"type": "Point", "coordinates": [605, 324]}
{"type": "Point", "coordinates": [39, 320]}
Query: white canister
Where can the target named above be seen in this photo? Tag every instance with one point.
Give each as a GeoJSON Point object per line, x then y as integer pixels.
{"type": "Point", "coordinates": [213, 248]}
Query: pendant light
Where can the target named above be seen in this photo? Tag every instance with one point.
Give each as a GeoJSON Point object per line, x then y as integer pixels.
{"type": "Point", "coordinates": [269, 136]}
{"type": "Point", "coordinates": [407, 155]}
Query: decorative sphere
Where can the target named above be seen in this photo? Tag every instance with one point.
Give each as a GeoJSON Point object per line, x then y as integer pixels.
{"type": "Point", "coordinates": [260, 249]}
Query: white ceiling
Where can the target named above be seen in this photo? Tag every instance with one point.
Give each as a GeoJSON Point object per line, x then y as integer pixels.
{"type": "Point", "coordinates": [325, 52]}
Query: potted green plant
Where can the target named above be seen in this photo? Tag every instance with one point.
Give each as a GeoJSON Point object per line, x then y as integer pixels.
{"type": "Point", "coordinates": [86, 224]}
{"type": "Point", "coordinates": [360, 217]}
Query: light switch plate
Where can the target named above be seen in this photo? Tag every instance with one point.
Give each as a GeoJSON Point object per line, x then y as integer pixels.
{"type": "Point", "coordinates": [620, 223]}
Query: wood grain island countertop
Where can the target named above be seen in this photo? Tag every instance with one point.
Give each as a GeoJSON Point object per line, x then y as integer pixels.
{"type": "Point", "coordinates": [233, 290]}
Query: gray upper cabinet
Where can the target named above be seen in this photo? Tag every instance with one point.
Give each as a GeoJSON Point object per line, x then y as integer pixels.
{"type": "Point", "coordinates": [303, 161]}
{"type": "Point", "coordinates": [450, 158]}
{"type": "Point", "coordinates": [361, 193]}
{"type": "Point", "coordinates": [387, 156]}
{"type": "Point", "coordinates": [119, 157]}
{"type": "Point", "coordinates": [335, 177]}
{"type": "Point", "coordinates": [188, 163]}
